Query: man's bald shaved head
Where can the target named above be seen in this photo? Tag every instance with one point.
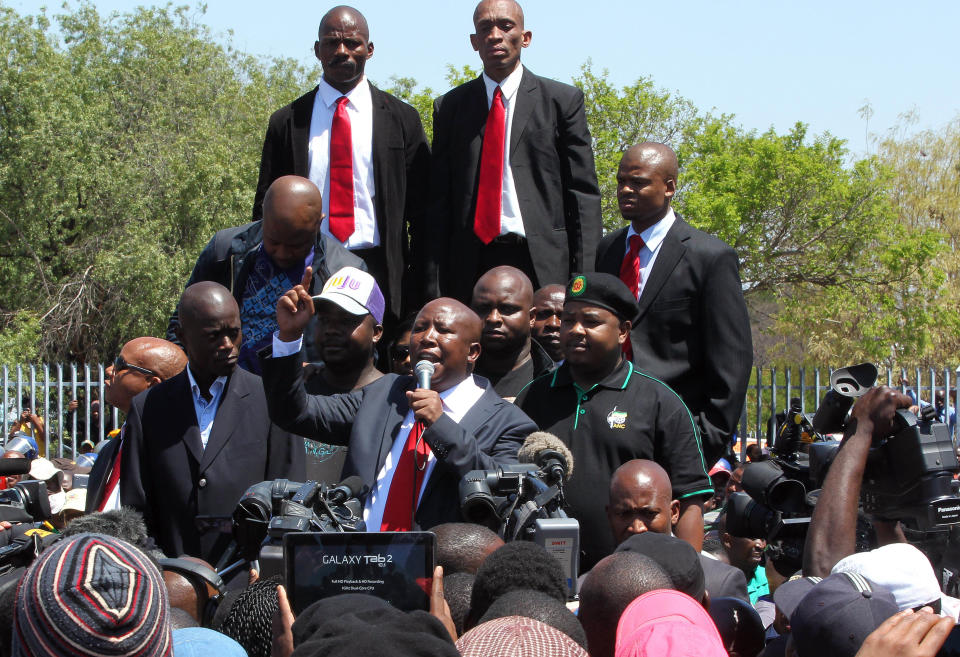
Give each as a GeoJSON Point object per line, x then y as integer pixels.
{"type": "Point", "coordinates": [161, 357]}
{"type": "Point", "coordinates": [200, 299]}
{"type": "Point", "coordinates": [503, 299]}
{"type": "Point", "coordinates": [660, 156]}
{"type": "Point", "coordinates": [209, 331]}
{"type": "Point", "coordinates": [507, 276]}
{"type": "Point", "coordinates": [483, 6]}
{"type": "Point", "coordinates": [158, 355]}
{"type": "Point", "coordinates": [292, 212]}
{"type": "Point", "coordinates": [343, 15]}
{"type": "Point", "coordinates": [641, 499]}
{"type": "Point", "coordinates": [447, 334]}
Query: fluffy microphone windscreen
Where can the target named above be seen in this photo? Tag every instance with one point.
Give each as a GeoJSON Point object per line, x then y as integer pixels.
{"type": "Point", "coordinates": [539, 441]}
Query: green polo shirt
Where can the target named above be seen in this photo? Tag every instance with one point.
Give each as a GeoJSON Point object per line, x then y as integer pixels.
{"type": "Point", "coordinates": [629, 415]}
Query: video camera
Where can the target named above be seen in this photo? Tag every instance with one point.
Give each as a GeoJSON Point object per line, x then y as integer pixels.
{"type": "Point", "coordinates": [270, 509]}
{"type": "Point", "coordinates": [908, 475]}
{"type": "Point", "coordinates": [525, 501]}
{"type": "Point", "coordinates": [24, 505]}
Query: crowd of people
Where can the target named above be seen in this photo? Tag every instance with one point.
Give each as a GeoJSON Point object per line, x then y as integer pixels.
{"type": "Point", "coordinates": [401, 313]}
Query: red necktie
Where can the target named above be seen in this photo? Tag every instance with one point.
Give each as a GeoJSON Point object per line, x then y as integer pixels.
{"type": "Point", "coordinates": [112, 481]}
{"type": "Point", "coordinates": [341, 173]}
{"type": "Point", "coordinates": [486, 219]}
{"type": "Point", "coordinates": [405, 486]}
{"type": "Point", "coordinates": [630, 275]}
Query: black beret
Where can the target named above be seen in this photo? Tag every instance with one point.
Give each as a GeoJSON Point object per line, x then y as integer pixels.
{"type": "Point", "coordinates": [603, 290]}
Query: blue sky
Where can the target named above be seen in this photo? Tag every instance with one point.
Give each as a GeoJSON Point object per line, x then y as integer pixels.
{"type": "Point", "coordinates": [769, 63]}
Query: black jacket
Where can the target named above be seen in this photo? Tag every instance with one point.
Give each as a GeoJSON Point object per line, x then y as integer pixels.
{"type": "Point", "coordinates": [227, 260]}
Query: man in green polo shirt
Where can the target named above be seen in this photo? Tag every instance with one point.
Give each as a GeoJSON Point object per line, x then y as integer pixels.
{"type": "Point", "coordinates": [608, 413]}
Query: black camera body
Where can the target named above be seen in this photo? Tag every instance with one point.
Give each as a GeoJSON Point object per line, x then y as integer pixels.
{"type": "Point", "coordinates": [270, 509]}
{"type": "Point", "coordinates": [27, 501]}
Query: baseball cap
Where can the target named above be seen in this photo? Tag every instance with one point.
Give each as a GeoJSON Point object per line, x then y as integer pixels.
{"type": "Point", "coordinates": [677, 558]}
{"type": "Point", "coordinates": [789, 594]}
{"type": "Point", "coordinates": [900, 568]}
{"type": "Point", "coordinates": [723, 465]}
{"type": "Point", "coordinates": [603, 290]}
{"type": "Point", "coordinates": [838, 614]}
{"type": "Point", "coordinates": [667, 623]}
{"type": "Point", "coordinates": [41, 469]}
{"type": "Point", "coordinates": [355, 291]}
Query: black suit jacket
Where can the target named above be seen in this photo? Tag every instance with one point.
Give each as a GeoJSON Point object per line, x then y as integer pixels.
{"type": "Point", "coordinates": [168, 475]}
{"type": "Point", "coordinates": [369, 419]}
{"type": "Point", "coordinates": [401, 165]}
{"type": "Point", "coordinates": [723, 580]}
{"type": "Point", "coordinates": [552, 164]}
{"type": "Point", "coordinates": [100, 473]}
{"type": "Point", "coordinates": [693, 331]}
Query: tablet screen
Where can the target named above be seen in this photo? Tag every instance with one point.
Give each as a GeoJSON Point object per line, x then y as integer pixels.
{"type": "Point", "coordinates": [394, 566]}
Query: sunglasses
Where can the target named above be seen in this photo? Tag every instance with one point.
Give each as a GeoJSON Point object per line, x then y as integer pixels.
{"type": "Point", "coordinates": [119, 365]}
{"type": "Point", "coordinates": [400, 352]}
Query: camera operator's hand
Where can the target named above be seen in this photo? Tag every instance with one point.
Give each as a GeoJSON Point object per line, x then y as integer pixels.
{"type": "Point", "coordinates": [295, 308]}
{"type": "Point", "coordinates": [908, 634]}
{"type": "Point", "coordinates": [282, 644]}
{"type": "Point", "coordinates": [874, 412]}
{"type": "Point", "coordinates": [426, 404]}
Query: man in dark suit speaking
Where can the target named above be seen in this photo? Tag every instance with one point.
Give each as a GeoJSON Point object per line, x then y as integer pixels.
{"type": "Point", "coordinates": [693, 331]}
{"type": "Point", "coordinates": [410, 445]}
{"type": "Point", "coordinates": [367, 153]}
{"type": "Point", "coordinates": [193, 444]}
{"type": "Point", "coordinates": [512, 176]}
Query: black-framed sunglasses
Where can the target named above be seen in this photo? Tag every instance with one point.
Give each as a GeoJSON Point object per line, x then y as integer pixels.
{"type": "Point", "coordinates": [119, 365]}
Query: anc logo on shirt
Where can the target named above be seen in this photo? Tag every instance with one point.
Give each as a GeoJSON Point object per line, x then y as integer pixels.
{"type": "Point", "coordinates": [617, 419]}
{"type": "Point", "coordinates": [578, 285]}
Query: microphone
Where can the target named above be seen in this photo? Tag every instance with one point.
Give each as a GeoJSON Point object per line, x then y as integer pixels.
{"type": "Point", "coordinates": [423, 372]}
{"type": "Point", "coordinates": [549, 453]}
{"type": "Point", "coordinates": [346, 489]}
{"type": "Point", "coordinates": [9, 467]}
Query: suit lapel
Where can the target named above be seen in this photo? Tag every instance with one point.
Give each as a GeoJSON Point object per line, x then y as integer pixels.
{"type": "Point", "coordinates": [181, 397]}
{"type": "Point", "coordinates": [228, 416]}
{"type": "Point", "coordinates": [521, 113]}
{"type": "Point", "coordinates": [671, 251]}
{"type": "Point", "coordinates": [300, 133]}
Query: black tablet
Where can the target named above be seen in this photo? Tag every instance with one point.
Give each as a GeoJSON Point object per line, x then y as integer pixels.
{"type": "Point", "coordinates": [394, 566]}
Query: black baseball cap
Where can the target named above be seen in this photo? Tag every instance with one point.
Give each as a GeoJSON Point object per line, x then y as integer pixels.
{"type": "Point", "coordinates": [677, 558]}
{"type": "Point", "coordinates": [606, 291]}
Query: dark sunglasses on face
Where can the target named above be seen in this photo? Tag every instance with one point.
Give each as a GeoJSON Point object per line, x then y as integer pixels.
{"type": "Point", "coordinates": [400, 352]}
{"type": "Point", "coordinates": [119, 365]}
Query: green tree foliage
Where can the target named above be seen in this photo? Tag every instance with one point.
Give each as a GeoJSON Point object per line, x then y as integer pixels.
{"type": "Point", "coordinates": [126, 141]}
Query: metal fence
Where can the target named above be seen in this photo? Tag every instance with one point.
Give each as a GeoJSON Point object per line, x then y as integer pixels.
{"type": "Point", "coordinates": [48, 390]}
{"type": "Point", "coordinates": [771, 389]}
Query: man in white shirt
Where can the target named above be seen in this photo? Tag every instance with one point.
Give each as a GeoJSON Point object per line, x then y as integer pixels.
{"type": "Point", "coordinates": [512, 176]}
{"type": "Point", "coordinates": [367, 153]}
{"type": "Point", "coordinates": [411, 446]}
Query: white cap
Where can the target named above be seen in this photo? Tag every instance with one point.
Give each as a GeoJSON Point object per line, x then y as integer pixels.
{"type": "Point", "coordinates": [899, 567]}
{"type": "Point", "coordinates": [42, 470]}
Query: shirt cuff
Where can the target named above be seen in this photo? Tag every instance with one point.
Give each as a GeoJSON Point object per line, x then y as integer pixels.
{"type": "Point", "coordinates": [281, 348]}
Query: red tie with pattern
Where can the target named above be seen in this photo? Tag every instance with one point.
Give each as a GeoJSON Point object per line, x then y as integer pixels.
{"type": "Point", "coordinates": [341, 173]}
{"type": "Point", "coordinates": [486, 219]}
{"type": "Point", "coordinates": [112, 480]}
{"type": "Point", "coordinates": [405, 486]}
{"type": "Point", "coordinates": [630, 275]}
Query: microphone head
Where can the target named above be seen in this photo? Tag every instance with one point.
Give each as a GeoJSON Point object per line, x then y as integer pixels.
{"type": "Point", "coordinates": [354, 484]}
{"type": "Point", "coordinates": [541, 441]}
{"type": "Point", "coordinates": [423, 367]}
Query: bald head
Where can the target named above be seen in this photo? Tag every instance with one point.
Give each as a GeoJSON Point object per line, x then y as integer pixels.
{"type": "Point", "coordinates": [343, 16]}
{"type": "Point", "coordinates": [157, 355]}
{"type": "Point", "coordinates": [203, 299]}
{"type": "Point", "coordinates": [503, 299]}
{"type": "Point", "coordinates": [611, 585]}
{"type": "Point", "coordinates": [447, 334]}
{"type": "Point", "coordinates": [660, 157]}
{"type": "Point", "coordinates": [641, 500]}
{"type": "Point", "coordinates": [209, 331]}
{"type": "Point", "coordinates": [160, 358]}
{"type": "Point", "coordinates": [510, 278]}
{"type": "Point", "coordinates": [512, 7]}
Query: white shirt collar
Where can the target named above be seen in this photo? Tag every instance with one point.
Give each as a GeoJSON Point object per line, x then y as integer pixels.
{"type": "Point", "coordinates": [460, 398]}
{"type": "Point", "coordinates": [508, 86]}
{"type": "Point", "coordinates": [359, 96]}
{"type": "Point", "coordinates": [653, 236]}
{"type": "Point", "coordinates": [215, 388]}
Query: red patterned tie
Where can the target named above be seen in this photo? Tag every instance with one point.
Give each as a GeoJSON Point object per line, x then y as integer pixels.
{"type": "Point", "coordinates": [630, 275]}
{"type": "Point", "coordinates": [341, 173]}
{"type": "Point", "coordinates": [408, 476]}
{"type": "Point", "coordinates": [112, 480]}
{"type": "Point", "coordinates": [486, 220]}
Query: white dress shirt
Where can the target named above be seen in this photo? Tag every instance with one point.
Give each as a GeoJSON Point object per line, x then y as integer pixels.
{"type": "Point", "coordinates": [366, 234]}
{"type": "Point", "coordinates": [510, 219]}
{"type": "Point", "coordinates": [206, 410]}
{"type": "Point", "coordinates": [652, 239]}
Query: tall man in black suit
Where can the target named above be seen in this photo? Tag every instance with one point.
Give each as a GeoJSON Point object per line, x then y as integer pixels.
{"type": "Point", "coordinates": [194, 443]}
{"type": "Point", "coordinates": [513, 179]}
{"type": "Point", "coordinates": [382, 196]}
{"type": "Point", "coordinates": [693, 331]}
{"type": "Point", "coordinates": [410, 445]}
